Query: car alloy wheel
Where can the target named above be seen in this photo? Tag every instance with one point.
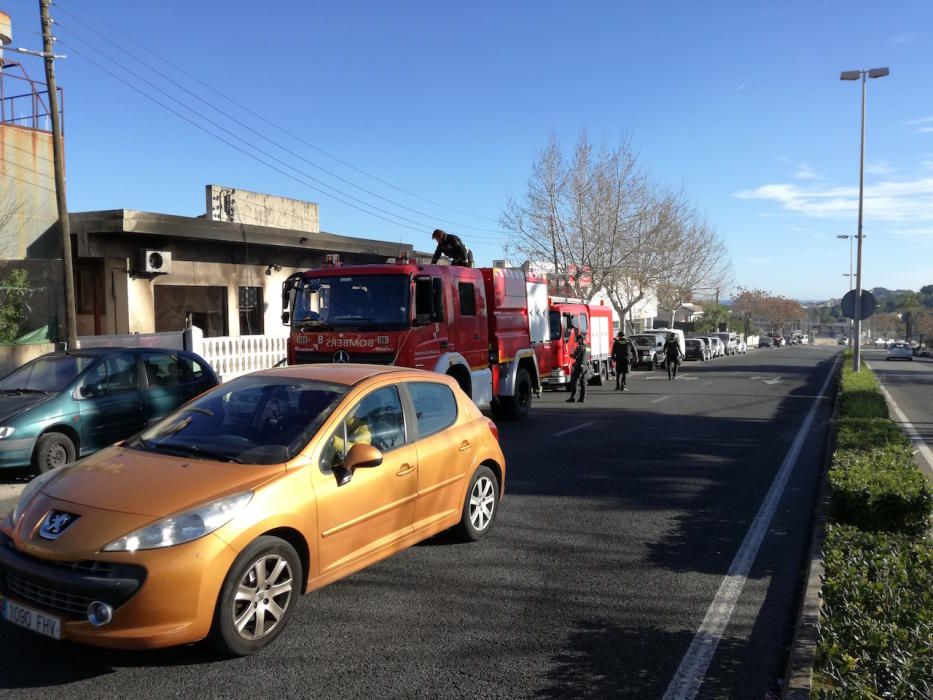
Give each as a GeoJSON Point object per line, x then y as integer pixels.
{"type": "Point", "coordinates": [258, 597]}
{"type": "Point", "coordinates": [480, 506]}
{"type": "Point", "coordinates": [262, 597]}
{"type": "Point", "coordinates": [482, 503]}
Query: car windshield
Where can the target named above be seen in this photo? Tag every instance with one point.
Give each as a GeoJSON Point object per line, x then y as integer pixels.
{"type": "Point", "coordinates": [249, 420]}
{"type": "Point", "coordinates": [694, 342]}
{"type": "Point", "coordinates": [46, 374]}
{"type": "Point", "coordinates": [648, 340]}
{"type": "Point", "coordinates": [360, 301]}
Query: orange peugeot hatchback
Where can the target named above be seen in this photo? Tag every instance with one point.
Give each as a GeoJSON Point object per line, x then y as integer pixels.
{"type": "Point", "coordinates": [211, 522]}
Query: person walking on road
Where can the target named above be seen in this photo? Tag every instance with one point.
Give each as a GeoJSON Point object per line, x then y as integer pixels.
{"type": "Point", "coordinates": [581, 369]}
{"type": "Point", "coordinates": [672, 356]}
{"type": "Point", "coordinates": [623, 354]}
{"type": "Point", "coordinates": [451, 246]}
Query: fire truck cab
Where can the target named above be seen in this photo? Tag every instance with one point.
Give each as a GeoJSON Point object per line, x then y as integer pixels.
{"type": "Point", "coordinates": [471, 324]}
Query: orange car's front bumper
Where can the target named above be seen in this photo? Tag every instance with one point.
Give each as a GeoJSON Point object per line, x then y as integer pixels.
{"type": "Point", "coordinates": [174, 605]}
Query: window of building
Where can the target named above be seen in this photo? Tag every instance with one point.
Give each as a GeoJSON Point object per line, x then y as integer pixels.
{"type": "Point", "coordinates": [251, 311]}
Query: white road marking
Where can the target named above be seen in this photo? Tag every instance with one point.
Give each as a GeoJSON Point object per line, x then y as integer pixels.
{"type": "Point", "coordinates": [707, 383]}
{"type": "Point", "coordinates": [690, 674]}
{"type": "Point", "coordinates": [773, 381]}
{"type": "Point", "coordinates": [908, 426]}
{"type": "Point", "coordinates": [570, 430]}
{"type": "Point", "coordinates": [659, 399]}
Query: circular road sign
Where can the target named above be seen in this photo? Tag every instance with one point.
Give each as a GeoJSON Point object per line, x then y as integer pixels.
{"type": "Point", "coordinates": [869, 304]}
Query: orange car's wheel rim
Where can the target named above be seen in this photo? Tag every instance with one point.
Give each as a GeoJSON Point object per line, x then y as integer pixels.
{"type": "Point", "coordinates": [482, 503]}
{"type": "Point", "coordinates": [262, 597]}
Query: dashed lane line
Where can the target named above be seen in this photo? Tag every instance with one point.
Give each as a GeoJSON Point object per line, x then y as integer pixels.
{"type": "Point", "coordinates": [570, 430]}
{"type": "Point", "coordinates": [659, 399]}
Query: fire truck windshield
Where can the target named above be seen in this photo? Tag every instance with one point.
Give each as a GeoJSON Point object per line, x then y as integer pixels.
{"type": "Point", "coordinates": [353, 301]}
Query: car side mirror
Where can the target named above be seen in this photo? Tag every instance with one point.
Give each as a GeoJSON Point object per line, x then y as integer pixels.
{"type": "Point", "coordinates": [284, 318]}
{"type": "Point", "coordinates": [93, 389]}
{"type": "Point", "coordinates": [359, 457]}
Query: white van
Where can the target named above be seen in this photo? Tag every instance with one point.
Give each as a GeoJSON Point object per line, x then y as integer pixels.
{"type": "Point", "coordinates": [728, 341]}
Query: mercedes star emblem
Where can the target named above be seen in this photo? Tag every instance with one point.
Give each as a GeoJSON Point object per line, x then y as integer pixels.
{"type": "Point", "coordinates": [341, 356]}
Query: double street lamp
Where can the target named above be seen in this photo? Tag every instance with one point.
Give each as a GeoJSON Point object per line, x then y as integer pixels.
{"type": "Point", "coordinates": [856, 75]}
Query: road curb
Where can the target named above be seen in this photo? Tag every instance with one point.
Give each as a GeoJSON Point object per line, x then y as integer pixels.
{"type": "Point", "coordinates": [798, 678]}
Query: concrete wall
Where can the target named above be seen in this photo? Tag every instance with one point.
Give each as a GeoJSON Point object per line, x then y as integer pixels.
{"type": "Point", "coordinates": [261, 209]}
{"type": "Point", "coordinates": [138, 313]}
{"type": "Point", "coordinates": [27, 189]}
{"type": "Point", "coordinates": [13, 356]}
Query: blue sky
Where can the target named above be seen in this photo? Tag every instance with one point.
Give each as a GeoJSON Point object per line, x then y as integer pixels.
{"type": "Point", "coordinates": [738, 103]}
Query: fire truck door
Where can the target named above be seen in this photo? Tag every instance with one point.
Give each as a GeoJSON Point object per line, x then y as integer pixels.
{"type": "Point", "coordinates": [468, 331]}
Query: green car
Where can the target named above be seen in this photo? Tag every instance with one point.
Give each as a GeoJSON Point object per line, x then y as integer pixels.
{"type": "Point", "coordinates": [66, 405]}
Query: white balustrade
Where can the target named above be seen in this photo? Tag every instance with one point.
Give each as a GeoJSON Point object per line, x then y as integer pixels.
{"type": "Point", "coordinates": [233, 356]}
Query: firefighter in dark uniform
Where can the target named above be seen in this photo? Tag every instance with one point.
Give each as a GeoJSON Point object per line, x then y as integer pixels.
{"type": "Point", "coordinates": [672, 356]}
{"type": "Point", "coordinates": [581, 369]}
{"type": "Point", "coordinates": [451, 246]}
{"type": "Point", "coordinates": [623, 354]}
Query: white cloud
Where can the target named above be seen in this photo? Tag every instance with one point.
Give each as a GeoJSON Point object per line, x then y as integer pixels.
{"type": "Point", "coordinates": [924, 130]}
{"type": "Point", "coordinates": [756, 261]}
{"type": "Point", "coordinates": [921, 120]}
{"type": "Point", "coordinates": [879, 168]}
{"type": "Point", "coordinates": [891, 201]}
{"type": "Point", "coordinates": [805, 172]}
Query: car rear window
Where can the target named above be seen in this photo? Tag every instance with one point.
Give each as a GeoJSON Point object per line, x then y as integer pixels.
{"type": "Point", "coordinates": [435, 406]}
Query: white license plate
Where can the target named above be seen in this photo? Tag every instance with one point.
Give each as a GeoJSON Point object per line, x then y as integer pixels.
{"type": "Point", "coordinates": [32, 619]}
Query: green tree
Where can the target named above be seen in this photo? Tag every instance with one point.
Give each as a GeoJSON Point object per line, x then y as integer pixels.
{"type": "Point", "coordinates": [15, 291]}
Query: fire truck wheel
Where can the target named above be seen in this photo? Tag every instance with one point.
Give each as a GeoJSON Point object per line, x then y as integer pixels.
{"type": "Point", "coordinates": [519, 404]}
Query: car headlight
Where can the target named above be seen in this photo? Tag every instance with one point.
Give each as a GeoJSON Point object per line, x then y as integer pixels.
{"type": "Point", "coordinates": [6, 431]}
{"type": "Point", "coordinates": [32, 488]}
{"type": "Point", "coordinates": [183, 527]}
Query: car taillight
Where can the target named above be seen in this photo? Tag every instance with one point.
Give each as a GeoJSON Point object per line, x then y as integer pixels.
{"type": "Point", "coordinates": [494, 430]}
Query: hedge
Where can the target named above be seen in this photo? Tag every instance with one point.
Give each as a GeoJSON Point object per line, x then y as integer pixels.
{"type": "Point", "coordinates": [876, 622]}
{"type": "Point", "coordinates": [866, 433]}
{"type": "Point", "coordinates": [876, 635]}
{"type": "Point", "coordinates": [880, 489]}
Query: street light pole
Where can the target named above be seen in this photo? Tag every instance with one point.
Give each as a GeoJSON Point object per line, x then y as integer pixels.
{"type": "Point", "coordinates": [855, 75]}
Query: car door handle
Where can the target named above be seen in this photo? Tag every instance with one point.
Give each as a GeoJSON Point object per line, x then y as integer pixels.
{"type": "Point", "coordinates": [465, 445]}
{"type": "Point", "coordinates": [405, 470]}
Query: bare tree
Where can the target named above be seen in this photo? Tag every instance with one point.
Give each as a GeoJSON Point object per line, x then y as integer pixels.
{"type": "Point", "coordinates": [574, 216]}
{"type": "Point", "coordinates": [693, 259]}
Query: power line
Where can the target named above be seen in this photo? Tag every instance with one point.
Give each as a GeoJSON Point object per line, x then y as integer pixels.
{"type": "Point", "coordinates": [420, 226]}
{"type": "Point", "coordinates": [279, 128]}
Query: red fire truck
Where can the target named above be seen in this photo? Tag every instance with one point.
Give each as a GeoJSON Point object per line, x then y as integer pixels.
{"type": "Point", "coordinates": [477, 325]}
{"type": "Point", "coordinates": [566, 316]}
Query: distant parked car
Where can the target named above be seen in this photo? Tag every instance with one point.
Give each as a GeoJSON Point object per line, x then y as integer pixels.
{"type": "Point", "coordinates": [900, 351]}
{"type": "Point", "coordinates": [66, 405]}
{"type": "Point", "coordinates": [696, 349]}
{"type": "Point", "coordinates": [765, 342]}
{"type": "Point", "coordinates": [779, 341]}
{"type": "Point", "coordinates": [925, 352]}
{"type": "Point", "coordinates": [648, 349]}
{"type": "Point", "coordinates": [880, 342]}
{"type": "Point", "coordinates": [728, 342]}
{"type": "Point", "coordinates": [741, 347]}
{"type": "Point", "coordinates": [842, 340]}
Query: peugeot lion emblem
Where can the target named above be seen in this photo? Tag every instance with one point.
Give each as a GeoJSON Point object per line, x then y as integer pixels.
{"type": "Point", "coordinates": [341, 356]}
{"type": "Point", "coordinates": [55, 523]}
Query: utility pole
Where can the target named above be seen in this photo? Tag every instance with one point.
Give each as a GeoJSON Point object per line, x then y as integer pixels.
{"type": "Point", "coordinates": [48, 52]}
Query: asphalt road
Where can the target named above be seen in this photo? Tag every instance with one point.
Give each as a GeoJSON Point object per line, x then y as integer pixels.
{"type": "Point", "coordinates": [910, 385]}
{"type": "Point", "coordinates": [621, 519]}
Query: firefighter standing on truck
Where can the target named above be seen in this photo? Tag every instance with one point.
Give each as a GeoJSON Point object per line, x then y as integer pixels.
{"type": "Point", "coordinates": [581, 369]}
{"type": "Point", "coordinates": [623, 354]}
{"type": "Point", "coordinates": [451, 246]}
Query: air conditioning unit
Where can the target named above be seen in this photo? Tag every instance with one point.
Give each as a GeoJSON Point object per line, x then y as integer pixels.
{"type": "Point", "coordinates": [154, 262]}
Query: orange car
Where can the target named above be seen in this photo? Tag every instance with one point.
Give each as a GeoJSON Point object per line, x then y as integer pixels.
{"type": "Point", "coordinates": [209, 523]}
